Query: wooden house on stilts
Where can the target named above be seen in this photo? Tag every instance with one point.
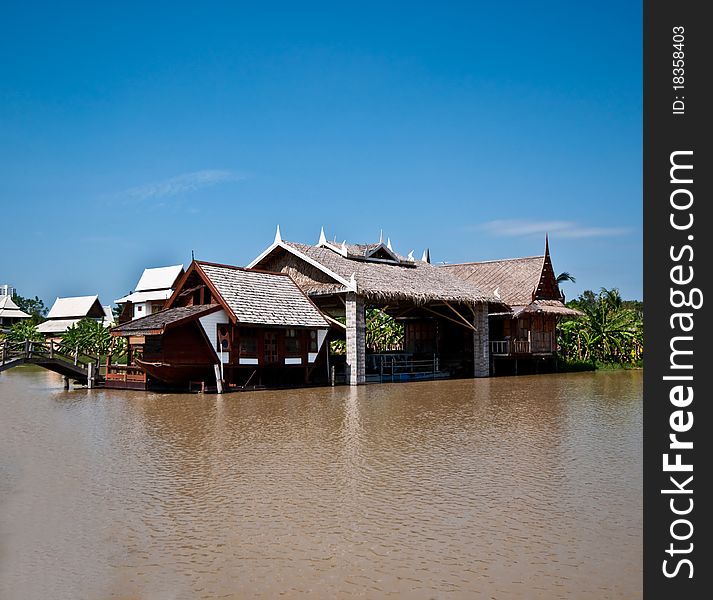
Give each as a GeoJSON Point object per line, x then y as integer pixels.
{"type": "Point", "coordinates": [445, 318]}
{"type": "Point", "coordinates": [225, 327]}
{"type": "Point", "coordinates": [523, 336]}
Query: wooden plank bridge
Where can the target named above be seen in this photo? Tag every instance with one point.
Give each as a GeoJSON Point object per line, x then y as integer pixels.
{"type": "Point", "coordinates": [54, 356]}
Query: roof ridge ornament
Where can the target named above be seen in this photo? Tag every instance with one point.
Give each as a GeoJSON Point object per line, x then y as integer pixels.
{"type": "Point", "coordinates": [410, 257]}
{"type": "Point", "coordinates": [322, 238]}
{"type": "Point", "coordinates": [426, 256]}
{"type": "Point", "coordinates": [343, 249]}
{"type": "Point", "coordinates": [353, 283]}
{"type": "Point", "coordinates": [388, 244]}
{"type": "Point", "coordinates": [278, 236]}
{"type": "Point", "coordinates": [381, 236]}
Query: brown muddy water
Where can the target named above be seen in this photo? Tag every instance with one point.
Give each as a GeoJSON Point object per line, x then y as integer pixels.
{"type": "Point", "coordinates": [514, 487]}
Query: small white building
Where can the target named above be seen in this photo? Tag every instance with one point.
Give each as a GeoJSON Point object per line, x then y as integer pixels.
{"type": "Point", "coordinates": [153, 289]}
{"type": "Point", "coordinates": [10, 312]}
{"type": "Point", "coordinates": [66, 312]}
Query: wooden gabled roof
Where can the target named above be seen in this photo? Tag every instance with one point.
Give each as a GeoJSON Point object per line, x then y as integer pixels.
{"type": "Point", "coordinates": [157, 323]}
{"type": "Point", "coordinates": [255, 297]}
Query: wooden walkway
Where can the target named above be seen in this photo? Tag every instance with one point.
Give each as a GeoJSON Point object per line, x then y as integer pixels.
{"type": "Point", "coordinates": [54, 356]}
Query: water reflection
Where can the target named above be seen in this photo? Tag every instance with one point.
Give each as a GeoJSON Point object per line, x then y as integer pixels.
{"type": "Point", "coordinates": [522, 487]}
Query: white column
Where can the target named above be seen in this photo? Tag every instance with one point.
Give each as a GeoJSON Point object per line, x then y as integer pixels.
{"type": "Point", "coordinates": [356, 339]}
{"type": "Point", "coordinates": [218, 379]}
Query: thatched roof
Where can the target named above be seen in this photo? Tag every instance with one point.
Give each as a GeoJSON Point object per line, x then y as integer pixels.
{"type": "Point", "coordinates": [527, 285]}
{"type": "Point", "coordinates": [548, 307]}
{"type": "Point", "coordinates": [378, 280]}
{"type": "Point", "coordinates": [514, 280]}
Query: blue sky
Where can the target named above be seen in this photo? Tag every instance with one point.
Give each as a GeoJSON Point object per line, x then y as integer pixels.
{"type": "Point", "coordinates": [133, 133]}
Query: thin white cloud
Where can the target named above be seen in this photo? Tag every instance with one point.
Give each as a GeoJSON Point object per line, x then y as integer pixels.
{"type": "Point", "coordinates": [188, 182]}
{"type": "Point", "coordinates": [563, 229]}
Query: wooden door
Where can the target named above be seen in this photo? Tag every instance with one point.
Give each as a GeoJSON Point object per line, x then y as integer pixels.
{"type": "Point", "coordinates": [270, 354]}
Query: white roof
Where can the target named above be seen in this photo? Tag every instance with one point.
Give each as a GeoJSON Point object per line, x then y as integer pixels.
{"type": "Point", "coordinates": [9, 309]}
{"type": "Point", "coordinates": [145, 296]}
{"type": "Point", "coordinates": [160, 278]}
{"type": "Point", "coordinates": [108, 320]}
{"type": "Point", "coordinates": [57, 326]}
{"type": "Point", "coordinates": [77, 306]}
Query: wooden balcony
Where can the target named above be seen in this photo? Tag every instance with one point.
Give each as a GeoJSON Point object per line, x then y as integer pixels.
{"type": "Point", "coordinates": [539, 344]}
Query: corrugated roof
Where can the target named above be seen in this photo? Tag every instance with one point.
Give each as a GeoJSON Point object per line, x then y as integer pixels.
{"type": "Point", "coordinates": [74, 307]}
{"type": "Point", "coordinates": [159, 278]}
{"type": "Point", "coordinates": [514, 280]}
{"type": "Point", "coordinates": [414, 281]}
{"type": "Point", "coordinates": [157, 322]}
{"type": "Point", "coordinates": [260, 298]}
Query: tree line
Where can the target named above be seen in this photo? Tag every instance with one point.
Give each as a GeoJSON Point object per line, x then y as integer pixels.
{"type": "Point", "coordinates": [610, 332]}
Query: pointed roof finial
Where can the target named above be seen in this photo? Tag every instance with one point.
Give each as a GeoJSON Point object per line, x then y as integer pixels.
{"type": "Point", "coordinates": [410, 256]}
{"type": "Point", "coordinates": [344, 247]}
{"type": "Point", "coordinates": [388, 244]}
{"type": "Point", "coordinates": [381, 236]}
{"type": "Point", "coordinates": [322, 238]}
{"type": "Point", "coordinates": [352, 283]}
{"type": "Point", "coordinates": [547, 244]}
{"type": "Point", "coordinates": [426, 256]}
{"type": "Point", "coordinates": [278, 236]}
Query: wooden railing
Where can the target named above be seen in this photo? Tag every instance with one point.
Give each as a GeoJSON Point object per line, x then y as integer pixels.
{"type": "Point", "coordinates": [500, 347]}
{"type": "Point", "coordinates": [48, 349]}
{"type": "Point", "coordinates": [125, 373]}
{"type": "Point", "coordinates": [539, 343]}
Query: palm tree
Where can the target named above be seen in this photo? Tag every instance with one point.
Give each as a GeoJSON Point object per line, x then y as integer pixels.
{"type": "Point", "coordinates": [565, 276]}
{"type": "Point", "coordinates": [609, 331]}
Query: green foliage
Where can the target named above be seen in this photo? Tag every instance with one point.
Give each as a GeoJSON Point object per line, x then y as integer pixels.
{"type": "Point", "coordinates": [24, 330]}
{"type": "Point", "coordinates": [610, 332]}
{"type": "Point", "coordinates": [91, 337]}
{"type": "Point", "coordinates": [565, 276]}
{"type": "Point", "coordinates": [338, 347]}
{"type": "Point", "coordinates": [383, 333]}
{"type": "Point", "coordinates": [32, 306]}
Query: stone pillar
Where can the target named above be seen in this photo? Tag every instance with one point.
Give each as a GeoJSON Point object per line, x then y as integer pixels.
{"type": "Point", "coordinates": [356, 339]}
{"type": "Point", "coordinates": [481, 342]}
